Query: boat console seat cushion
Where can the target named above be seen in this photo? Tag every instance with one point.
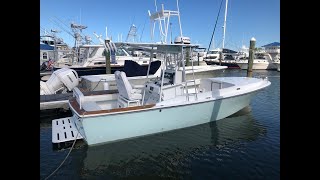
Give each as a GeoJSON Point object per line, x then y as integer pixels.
{"type": "Point", "coordinates": [124, 87]}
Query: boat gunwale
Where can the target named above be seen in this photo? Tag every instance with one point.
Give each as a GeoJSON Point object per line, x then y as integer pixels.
{"type": "Point", "coordinates": [74, 106]}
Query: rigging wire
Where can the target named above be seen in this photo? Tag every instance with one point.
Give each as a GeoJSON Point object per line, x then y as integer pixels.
{"type": "Point", "coordinates": [215, 25]}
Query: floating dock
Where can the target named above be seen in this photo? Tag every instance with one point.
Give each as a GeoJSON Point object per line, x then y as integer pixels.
{"type": "Point", "coordinates": [54, 101]}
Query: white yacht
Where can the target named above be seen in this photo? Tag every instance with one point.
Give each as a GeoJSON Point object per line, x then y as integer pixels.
{"type": "Point", "coordinates": [92, 61]}
{"type": "Point", "coordinates": [261, 61]}
{"type": "Point", "coordinates": [229, 58]}
{"type": "Point", "coordinates": [274, 50]}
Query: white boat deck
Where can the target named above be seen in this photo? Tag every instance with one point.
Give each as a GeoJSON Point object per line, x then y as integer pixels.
{"type": "Point", "coordinates": [238, 81]}
{"type": "Point", "coordinates": [63, 130]}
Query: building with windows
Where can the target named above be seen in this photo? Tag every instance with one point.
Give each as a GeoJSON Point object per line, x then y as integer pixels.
{"type": "Point", "coordinates": [46, 52]}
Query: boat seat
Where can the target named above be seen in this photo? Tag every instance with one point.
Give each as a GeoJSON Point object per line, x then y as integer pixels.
{"type": "Point", "coordinates": [126, 92]}
{"type": "Point", "coordinates": [86, 103]}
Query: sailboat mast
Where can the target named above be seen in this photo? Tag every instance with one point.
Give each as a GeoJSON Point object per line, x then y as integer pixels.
{"type": "Point", "coordinates": [224, 24]}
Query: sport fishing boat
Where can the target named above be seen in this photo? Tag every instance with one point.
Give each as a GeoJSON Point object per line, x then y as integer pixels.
{"type": "Point", "coordinates": [163, 104]}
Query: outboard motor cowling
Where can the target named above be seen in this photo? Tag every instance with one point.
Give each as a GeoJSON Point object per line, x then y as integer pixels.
{"type": "Point", "coordinates": [61, 79]}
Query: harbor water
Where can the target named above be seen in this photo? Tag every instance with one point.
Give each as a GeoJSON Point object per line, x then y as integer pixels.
{"type": "Point", "coordinates": [245, 145]}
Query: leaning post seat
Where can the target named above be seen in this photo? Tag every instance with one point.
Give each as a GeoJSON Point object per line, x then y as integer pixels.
{"type": "Point", "coordinates": [128, 96]}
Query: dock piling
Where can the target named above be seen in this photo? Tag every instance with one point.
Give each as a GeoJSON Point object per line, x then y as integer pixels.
{"type": "Point", "coordinates": [107, 54]}
{"type": "Point", "coordinates": [250, 61]}
{"type": "Point", "coordinates": [220, 57]}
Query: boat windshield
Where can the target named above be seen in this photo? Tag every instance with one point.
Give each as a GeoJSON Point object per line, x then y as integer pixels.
{"type": "Point", "coordinates": [119, 52]}
{"type": "Point", "coordinates": [228, 57]}
{"type": "Point", "coordinates": [93, 52]}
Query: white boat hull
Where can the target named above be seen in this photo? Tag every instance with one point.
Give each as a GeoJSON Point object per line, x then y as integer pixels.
{"type": "Point", "coordinates": [116, 127]}
{"type": "Point", "coordinates": [257, 66]}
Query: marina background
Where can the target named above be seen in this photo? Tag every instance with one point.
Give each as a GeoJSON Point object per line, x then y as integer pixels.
{"type": "Point", "coordinates": [245, 19]}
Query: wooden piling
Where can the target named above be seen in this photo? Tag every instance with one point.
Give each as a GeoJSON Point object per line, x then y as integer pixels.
{"type": "Point", "coordinates": [251, 53]}
{"type": "Point", "coordinates": [220, 57]}
{"type": "Point", "coordinates": [107, 54]}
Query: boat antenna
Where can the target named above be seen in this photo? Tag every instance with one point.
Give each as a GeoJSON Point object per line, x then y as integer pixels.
{"type": "Point", "coordinates": [179, 18]}
{"type": "Point", "coordinates": [171, 33]}
{"type": "Point", "coordinates": [155, 4]}
{"type": "Point", "coordinates": [80, 15]}
{"type": "Point", "coordinates": [61, 27]}
{"type": "Point", "coordinates": [106, 32]}
{"type": "Point", "coordinates": [214, 29]}
{"type": "Point", "coordinates": [224, 24]}
{"type": "Point", "coordinates": [143, 28]}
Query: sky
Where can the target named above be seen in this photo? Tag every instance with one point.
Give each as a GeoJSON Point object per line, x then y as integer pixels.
{"type": "Point", "coordinates": [245, 19]}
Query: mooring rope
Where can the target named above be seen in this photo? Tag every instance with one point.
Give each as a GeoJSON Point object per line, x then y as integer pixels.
{"type": "Point", "coordinates": [64, 158]}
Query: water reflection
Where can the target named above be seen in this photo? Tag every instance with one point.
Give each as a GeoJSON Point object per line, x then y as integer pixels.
{"type": "Point", "coordinates": [166, 152]}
